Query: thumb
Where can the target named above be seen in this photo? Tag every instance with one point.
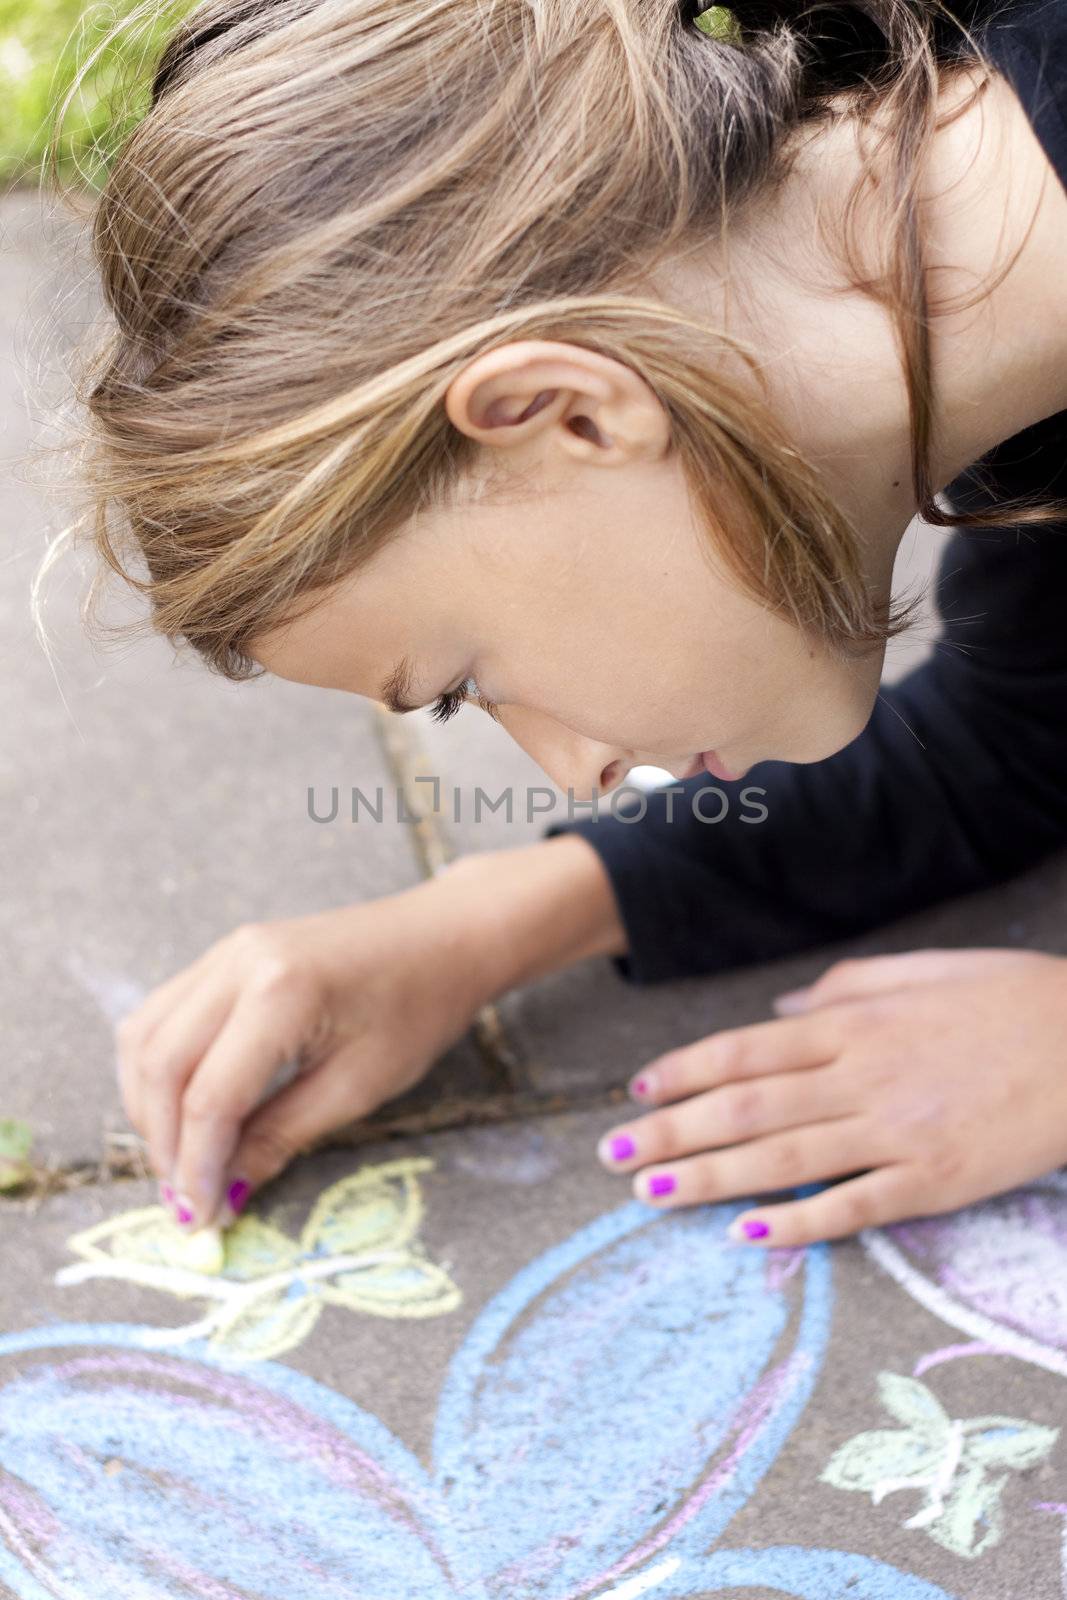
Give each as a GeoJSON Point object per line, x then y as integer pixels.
{"type": "Point", "coordinates": [284, 1127]}
{"type": "Point", "coordinates": [857, 976]}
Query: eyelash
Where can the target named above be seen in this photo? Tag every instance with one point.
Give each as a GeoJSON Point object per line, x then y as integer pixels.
{"type": "Point", "coordinates": [447, 704]}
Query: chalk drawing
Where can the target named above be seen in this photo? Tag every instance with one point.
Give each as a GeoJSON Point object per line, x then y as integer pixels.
{"type": "Point", "coordinates": [997, 1270]}
{"type": "Point", "coordinates": [954, 1352]}
{"type": "Point", "coordinates": [115, 995]}
{"type": "Point", "coordinates": [358, 1249]}
{"type": "Point", "coordinates": [601, 1422]}
{"type": "Point", "coordinates": [518, 1154]}
{"type": "Point", "coordinates": [961, 1466]}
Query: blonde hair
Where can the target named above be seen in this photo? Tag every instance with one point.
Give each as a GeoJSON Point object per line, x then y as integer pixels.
{"type": "Point", "coordinates": [331, 207]}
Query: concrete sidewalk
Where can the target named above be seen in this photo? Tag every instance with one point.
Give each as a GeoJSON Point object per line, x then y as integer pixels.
{"type": "Point", "coordinates": [448, 1355]}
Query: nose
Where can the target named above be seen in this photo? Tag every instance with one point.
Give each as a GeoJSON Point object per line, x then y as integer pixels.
{"type": "Point", "coordinates": [570, 759]}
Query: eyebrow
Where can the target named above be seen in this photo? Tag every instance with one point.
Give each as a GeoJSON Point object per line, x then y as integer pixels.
{"type": "Point", "coordinates": [396, 690]}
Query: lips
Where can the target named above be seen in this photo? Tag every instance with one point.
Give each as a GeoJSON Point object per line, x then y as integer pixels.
{"type": "Point", "coordinates": [709, 760]}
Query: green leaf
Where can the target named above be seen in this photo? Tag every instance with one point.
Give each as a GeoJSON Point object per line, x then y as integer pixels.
{"type": "Point", "coordinates": [15, 1138]}
{"type": "Point", "coordinates": [881, 1456]}
{"type": "Point", "coordinates": [412, 1288]}
{"type": "Point", "coordinates": [971, 1521]}
{"type": "Point", "coordinates": [913, 1404]}
{"type": "Point", "coordinates": [15, 1141]}
{"type": "Point", "coordinates": [720, 23]}
{"type": "Point", "coordinates": [379, 1208]}
{"type": "Point", "coordinates": [255, 1248]}
{"type": "Point", "coordinates": [1007, 1442]}
{"type": "Point", "coordinates": [263, 1327]}
{"type": "Point", "coordinates": [151, 1237]}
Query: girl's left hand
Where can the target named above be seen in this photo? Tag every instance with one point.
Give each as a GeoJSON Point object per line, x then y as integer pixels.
{"type": "Point", "coordinates": [938, 1077]}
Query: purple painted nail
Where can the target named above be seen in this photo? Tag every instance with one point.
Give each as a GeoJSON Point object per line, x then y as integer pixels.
{"type": "Point", "coordinates": [661, 1183]}
{"type": "Point", "coordinates": [238, 1193]}
{"type": "Point", "coordinates": [168, 1193]}
{"type": "Point", "coordinates": [184, 1209]}
{"type": "Point", "coordinates": [622, 1147]}
{"type": "Point", "coordinates": [641, 1086]}
{"type": "Point", "coordinates": [755, 1229]}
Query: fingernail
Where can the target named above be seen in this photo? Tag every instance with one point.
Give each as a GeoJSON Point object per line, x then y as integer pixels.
{"type": "Point", "coordinates": [642, 1086]}
{"type": "Point", "coordinates": [183, 1209]}
{"type": "Point", "coordinates": [238, 1193]}
{"type": "Point", "coordinates": [621, 1147]}
{"type": "Point", "coordinates": [792, 1000]}
{"type": "Point", "coordinates": [167, 1193]}
{"type": "Point", "coordinates": [661, 1183]}
{"type": "Point", "coordinates": [751, 1228]}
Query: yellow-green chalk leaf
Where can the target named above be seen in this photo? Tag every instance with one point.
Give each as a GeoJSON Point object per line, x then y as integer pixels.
{"type": "Point", "coordinates": [412, 1288]}
{"type": "Point", "coordinates": [378, 1208]}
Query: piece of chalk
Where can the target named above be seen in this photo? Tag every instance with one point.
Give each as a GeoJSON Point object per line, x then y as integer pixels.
{"type": "Point", "coordinates": [202, 1251]}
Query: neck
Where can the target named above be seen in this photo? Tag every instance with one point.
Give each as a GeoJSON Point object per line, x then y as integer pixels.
{"type": "Point", "coordinates": [827, 351]}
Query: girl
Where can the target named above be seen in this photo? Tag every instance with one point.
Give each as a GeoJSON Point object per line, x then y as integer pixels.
{"type": "Point", "coordinates": [589, 359]}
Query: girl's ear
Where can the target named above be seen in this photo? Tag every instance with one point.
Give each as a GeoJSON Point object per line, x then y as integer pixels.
{"type": "Point", "coordinates": [565, 397]}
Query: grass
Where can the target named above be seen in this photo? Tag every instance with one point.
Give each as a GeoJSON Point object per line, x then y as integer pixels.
{"type": "Point", "coordinates": [43, 43]}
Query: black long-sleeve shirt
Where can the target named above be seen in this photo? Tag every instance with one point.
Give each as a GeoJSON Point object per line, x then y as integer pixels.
{"type": "Point", "coordinates": [959, 779]}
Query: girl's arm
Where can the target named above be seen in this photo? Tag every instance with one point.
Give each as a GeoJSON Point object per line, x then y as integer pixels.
{"type": "Point", "coordinates": [363, 999]}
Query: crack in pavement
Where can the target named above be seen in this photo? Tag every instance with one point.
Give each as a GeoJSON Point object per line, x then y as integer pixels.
{"type": "Point", "coordinates": [125, 1157]}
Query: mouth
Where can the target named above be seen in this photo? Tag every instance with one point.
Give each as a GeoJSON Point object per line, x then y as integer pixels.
{"type": "Point", "coordinates": [711, 764]}
{"type": "Point", "coordinates": [708, 761]}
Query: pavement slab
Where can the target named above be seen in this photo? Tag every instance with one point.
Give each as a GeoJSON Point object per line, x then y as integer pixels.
{"type": "Point", "coordinates": [470, 1365]}
{"type": "Point", "coordinates": [587, 1029]}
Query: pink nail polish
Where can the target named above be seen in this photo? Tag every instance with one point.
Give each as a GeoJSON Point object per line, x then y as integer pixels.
{"type": "Point", "coordinates": [641, 1086]}
{"type": "Point", "coordinates": [621, 1148]}
{"type": "Point", "coordinates": [661, 1183]}
{"type": "Point", "coordinates": [238, 1193]}
{"type": "Point", "coordinates": [755, 1229]}
{"type": "Point", "coordinates": [184, 1210]}
{"type": "Point", "coordinates": [167, 1193]}
{"type": "Point", "coordinates": [791, 1002]}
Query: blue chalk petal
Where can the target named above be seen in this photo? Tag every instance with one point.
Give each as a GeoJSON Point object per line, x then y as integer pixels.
{"type": "Point", "coordinates": [220, 1476]}
{"type": "Point", "coordinates": [594, 1395]}
{"type": "Point", "coordinates": [798, 1572]}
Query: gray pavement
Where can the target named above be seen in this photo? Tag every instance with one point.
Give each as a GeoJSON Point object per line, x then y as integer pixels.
{"type": "Point", "coordinates": [444, 1362]}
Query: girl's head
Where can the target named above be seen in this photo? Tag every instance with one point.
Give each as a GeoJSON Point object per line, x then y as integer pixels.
{"type": "Point", "coordinates": [406, 369]}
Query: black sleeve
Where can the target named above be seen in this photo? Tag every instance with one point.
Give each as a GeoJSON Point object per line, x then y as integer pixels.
{"type": "Point", "coordinates": [958, 781]}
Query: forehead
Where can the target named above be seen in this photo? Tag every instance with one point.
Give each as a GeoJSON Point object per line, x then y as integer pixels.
{"type": "Point", "coordinates": [313, 644]}
{"type": "Point", "coordinates": [353, 634]}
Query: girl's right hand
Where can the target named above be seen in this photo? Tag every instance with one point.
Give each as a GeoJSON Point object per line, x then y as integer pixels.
{"type": "Point", "coordinates": [363, 999]}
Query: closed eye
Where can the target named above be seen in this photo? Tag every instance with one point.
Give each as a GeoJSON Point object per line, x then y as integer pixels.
{"type": "Point", "coordinates": [447, 704]}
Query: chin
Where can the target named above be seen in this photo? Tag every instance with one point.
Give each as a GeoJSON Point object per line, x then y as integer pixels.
{"type": "Point", "coordinates": [832, 740]}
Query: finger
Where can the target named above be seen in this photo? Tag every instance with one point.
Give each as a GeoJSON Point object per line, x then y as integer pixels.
{"type": "Point", "coordinates": [256, 1040]}
{"type": "Point", "coordinates": [780, 1161]}
{"type": "Point", "coordinates": [729, 1115]}
{"type": "Point", "coordinates": [168, 1061]}
{"type": "Point", "coordinates": [872, 1200]}
{"type": "Point", "coordinates": [858, 976]}
{"type": "Point", "coordinates": [785, 1045]}
{"type": "Point", "coordinates": [134, 1031]}
{"type": "Point", "coordinates": [287, 1124]}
